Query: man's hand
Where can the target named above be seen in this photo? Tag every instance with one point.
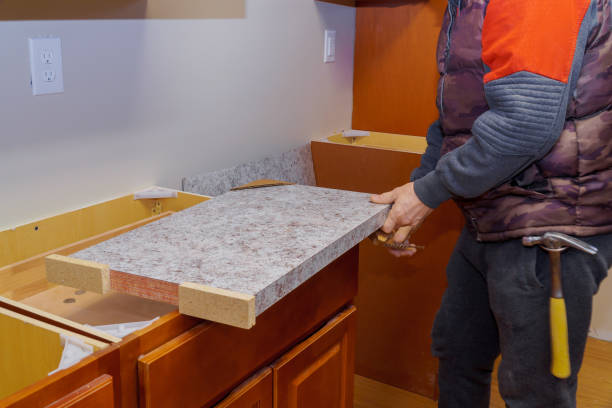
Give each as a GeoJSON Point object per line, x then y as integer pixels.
{"type": "Point", "coordinates": [408, 210]}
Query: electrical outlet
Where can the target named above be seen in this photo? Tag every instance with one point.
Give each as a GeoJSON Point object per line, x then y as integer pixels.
{"type": "Point", "coordinates": [47, 57]}
{"type": "Point", "coordinates": [46, 66]}
{"type": "Point", "coordinates": [49, 76]}
{"type": "Point", "coordinates": [330, 46]}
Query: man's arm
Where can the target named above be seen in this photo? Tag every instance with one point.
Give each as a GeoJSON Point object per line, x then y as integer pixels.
{"type": "Point", "coordinates": [534, 51]}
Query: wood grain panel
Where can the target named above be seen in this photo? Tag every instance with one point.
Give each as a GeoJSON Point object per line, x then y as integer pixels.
{"type": "Point", "coordinates": [395, 77]}
{"type": "Point", "coordinates": [398, 298]}
{"type": "Point", "coordinates": [199, 367]}
{"type": "Point", "coordinates": [319, 372]}
{"type": "Point", "coordinates": [95, 394]}
{"type": "Point", "coordinates": [256, 392]}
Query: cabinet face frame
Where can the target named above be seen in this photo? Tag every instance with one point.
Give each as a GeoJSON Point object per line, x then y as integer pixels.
{"type": "Point", "coordinates": [327, 354]}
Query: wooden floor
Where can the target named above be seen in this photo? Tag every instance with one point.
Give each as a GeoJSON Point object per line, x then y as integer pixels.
{"type": "Point", "coordinates": [594, 386]}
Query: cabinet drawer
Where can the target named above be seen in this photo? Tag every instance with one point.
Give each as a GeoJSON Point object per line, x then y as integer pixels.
{"type": "Point", "coordinates": [97, 393]}
{"type": "Point", "coordinates": [319, 372]}
{"type": "Point", "coordinates": [256, 392]}
{"type": "Point", "coordinates": [197, 368]}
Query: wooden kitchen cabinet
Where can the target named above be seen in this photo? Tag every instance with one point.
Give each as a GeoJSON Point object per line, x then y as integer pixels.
{"type": "Point", "coordinates": [257, 392]}
{"type": "Point", "coordinates": [319, 372]}
{"type": "Point", "coordinates": [179, 360]}
{"type": "Point", "coordinates": [110, 372]}
{"type": "Point", "coordinates": [25, 290]}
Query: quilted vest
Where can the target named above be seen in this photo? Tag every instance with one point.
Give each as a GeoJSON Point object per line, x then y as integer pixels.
{"type": "Point", "coordinates": [570, 189]}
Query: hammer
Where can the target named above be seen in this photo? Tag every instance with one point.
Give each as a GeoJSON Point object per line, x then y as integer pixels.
{"type": "Point", "coordinates": [554, 243]}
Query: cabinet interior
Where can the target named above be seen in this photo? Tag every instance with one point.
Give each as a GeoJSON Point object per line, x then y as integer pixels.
{"type": "Point", "coordinates": [31, 349]}
{"type": "Point", "coordinates": [24, 280]}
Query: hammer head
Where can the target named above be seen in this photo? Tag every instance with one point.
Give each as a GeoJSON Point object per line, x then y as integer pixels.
{"type": "Point", "coordinates": [559, 241]}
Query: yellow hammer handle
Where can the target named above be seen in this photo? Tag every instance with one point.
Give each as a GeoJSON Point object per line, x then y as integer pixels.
{"type": "Point", "coordinates": [560, 365]}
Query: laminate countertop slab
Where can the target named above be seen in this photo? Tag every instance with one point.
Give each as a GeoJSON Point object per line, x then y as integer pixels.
{"type": "Point", "coordinates": [247, 249]}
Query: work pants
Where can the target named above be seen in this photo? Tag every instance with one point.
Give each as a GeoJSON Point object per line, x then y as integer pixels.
{"type": "Point", "coordinates": [498, 301]}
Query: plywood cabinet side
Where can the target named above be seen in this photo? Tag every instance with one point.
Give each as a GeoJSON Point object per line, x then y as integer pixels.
{"type": "Point", "coordinates": [201, 366]}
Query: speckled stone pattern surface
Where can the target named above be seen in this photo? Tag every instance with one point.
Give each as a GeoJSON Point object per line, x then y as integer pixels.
{"type": "Point", "coordinates": [264, 242]}
{"type": "Point", "coordinates": [294, 166]}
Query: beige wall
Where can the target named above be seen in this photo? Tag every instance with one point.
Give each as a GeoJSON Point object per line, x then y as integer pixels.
{"type": "Point", "coordinates": [149, 101]}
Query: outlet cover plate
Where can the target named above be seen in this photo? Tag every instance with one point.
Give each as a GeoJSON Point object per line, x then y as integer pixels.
{"type": "Point", "coordinates": [330, 46]}
{"type": "Point", "coordinates": [46, 66]}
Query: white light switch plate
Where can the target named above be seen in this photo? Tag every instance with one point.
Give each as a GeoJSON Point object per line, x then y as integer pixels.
{"type": "Point", "coordinates": [46, 66]}
{"type": "Point", "coordinates": [330, 46]}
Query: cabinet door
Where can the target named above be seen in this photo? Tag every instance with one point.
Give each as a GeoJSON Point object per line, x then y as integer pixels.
{"type": "Point", "coordinates": [97, 393]}
{"type": "Point", "coordinates": [255, 393]}
{"type": "Point", "coordinates": [319, 372]}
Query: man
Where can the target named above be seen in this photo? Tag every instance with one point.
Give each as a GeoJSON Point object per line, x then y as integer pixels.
{"type": "Point", "coordinates": [523, 144]}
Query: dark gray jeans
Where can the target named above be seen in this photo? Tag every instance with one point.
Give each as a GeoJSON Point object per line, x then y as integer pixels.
{"type": "Point", "coordinates": [497, 301]}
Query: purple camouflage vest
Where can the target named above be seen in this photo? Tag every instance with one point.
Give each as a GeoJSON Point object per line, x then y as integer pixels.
{"type": "Point", "coordinates": [570, 189]}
